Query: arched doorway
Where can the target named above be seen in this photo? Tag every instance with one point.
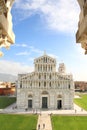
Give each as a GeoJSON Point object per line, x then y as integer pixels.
{"type": "Point", "coordinates": [45, 99]}
{"type": "Point", "coordinates": [59, 102]}
{"type": "Point", "coordinates": [30, 102]}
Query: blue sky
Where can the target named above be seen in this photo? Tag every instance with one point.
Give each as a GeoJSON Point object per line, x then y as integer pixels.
{"type": "Point", "coordinates": [45, 25]}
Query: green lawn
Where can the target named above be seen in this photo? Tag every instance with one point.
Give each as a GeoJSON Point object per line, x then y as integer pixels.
{"type": "Point", "coordinates": [6, 101]}
{"type": "Point", "coordinates": [18, 122]}
{"type": "Point", "coordinates": [82, 102]}
{"type": "Point", "coordinates": [69, 122]}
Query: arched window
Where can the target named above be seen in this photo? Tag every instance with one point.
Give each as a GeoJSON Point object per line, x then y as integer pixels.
{"type": "Point", "coordinates": [50, 76]}
{"type": "Point", "coordinates": [39, 84]}
{"type": "Point", "coordinates": [69, 86]}
{"type": "Point", "coordinates": [44, 84]}
{"type": "Point", "coordinates": [39, 76]}
{"type": "Point", "coordinates": [21, 84]}
{"type": "Point", "coordinates": [31, 84]}
{"type": "Point", "coordinates": [46, 59]}
{"type": "Point", "coordinates": [44, 76]}
{"type": "Point", "coordinates": [50, 84]}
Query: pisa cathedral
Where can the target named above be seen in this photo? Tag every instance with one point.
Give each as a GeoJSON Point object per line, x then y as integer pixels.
{"type": "Point", "coordinates": [45, 88]}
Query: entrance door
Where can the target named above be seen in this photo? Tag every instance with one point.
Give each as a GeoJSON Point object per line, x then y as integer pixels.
{"type": "Point", "coordinates": [30, 103]}
{"type": "Point", "coordinates": [59, 104]}
{"type": "Point", "coordinates": [44, 102]}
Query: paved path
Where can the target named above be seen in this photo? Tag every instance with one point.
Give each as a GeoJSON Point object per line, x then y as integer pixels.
{"type": "Point", "coordinates": [44, 119]}
{"type": "Point", "coordinates": [76, 110]}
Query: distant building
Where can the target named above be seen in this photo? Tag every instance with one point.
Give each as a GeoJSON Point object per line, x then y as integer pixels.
{"type": "Point", "coordinates": [80, 86]}
{"type": "Point", "coordinates": [45, 88]}
{"type": "Point", "coordinates": [7, 88]}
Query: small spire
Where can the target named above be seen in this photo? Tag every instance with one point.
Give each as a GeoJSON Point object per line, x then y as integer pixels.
{"type": "Point", "coordinates": [44, 52]}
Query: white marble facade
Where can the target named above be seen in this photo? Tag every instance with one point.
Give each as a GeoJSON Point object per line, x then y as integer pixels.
{"type": "Point", "coordinates": [45, 88]}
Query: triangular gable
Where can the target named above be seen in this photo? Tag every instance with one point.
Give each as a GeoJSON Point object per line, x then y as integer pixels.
{"type": "Point", "coordinates": [45, 59]}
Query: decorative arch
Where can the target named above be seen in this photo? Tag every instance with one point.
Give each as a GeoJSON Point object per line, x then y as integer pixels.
{"type": "Point", "coordinates": [44, 92]}
{"type": "Point", "coordinates": [30, 95]}
{"type": "Point", "coordinates": [59, 96]}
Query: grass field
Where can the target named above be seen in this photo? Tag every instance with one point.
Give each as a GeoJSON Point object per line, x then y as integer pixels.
{"type": "Point", "coordinates": [18, 122]}
{"type": "Point", "coordinates": [6, 101]}
{"type": "Point", "coordinates": [82, 102]}
{"type": "Point", "coordinates": [69, 122]}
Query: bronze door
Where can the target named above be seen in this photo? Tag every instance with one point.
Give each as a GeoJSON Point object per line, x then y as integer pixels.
{"type": "Point", "coordinates": [59, 104]}
{"type": "Point", "coordinates": [29, 103]}
{"type": "Point", "coordinates": [44, 102]}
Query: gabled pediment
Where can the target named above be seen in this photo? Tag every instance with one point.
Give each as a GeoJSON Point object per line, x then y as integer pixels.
{"type": "Point", "coordinates": [45, 59]}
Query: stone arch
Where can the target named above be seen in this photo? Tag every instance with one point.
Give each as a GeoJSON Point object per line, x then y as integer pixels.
{"type": "Point", "coordinates": [30, 95]}
{"type": "Point", "coordinates": [44, 92]}
{"type": "Point", "coordinates": [59, 96]}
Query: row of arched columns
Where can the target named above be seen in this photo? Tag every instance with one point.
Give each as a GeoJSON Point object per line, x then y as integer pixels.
{"type": "Point", "coordinates": [45, 84]}
{"type": "Point", "coordinates": [45, 68]}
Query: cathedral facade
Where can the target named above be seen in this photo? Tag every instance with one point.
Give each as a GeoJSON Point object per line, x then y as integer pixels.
{"type": "Point", "coordinates": [45, 88]}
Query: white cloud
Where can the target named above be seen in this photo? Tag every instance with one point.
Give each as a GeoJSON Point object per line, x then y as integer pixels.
{"type": "Point", "coordinates": [80, 50]}
{"type": "Point", "coordinates": [21, 45]}
{"type": "Point", "coordinates": [31, 59]}
{"type": "Point", "coordinates": [54, 56]}
{"type": "Point", "coordinates": [25, 53]}
{"type": "Point", "coordinates": [30, 50]}
{"type": "Point", "coordinates": [36, 50]}
{"type": "Point", "coordinates": [60, 15]}
{"type": "Point", "coordinates": [79, 69]}
{"type": "Point", "coordinates": [77, 64]}
{"type": "Point", "coordinates": [10, 67]}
